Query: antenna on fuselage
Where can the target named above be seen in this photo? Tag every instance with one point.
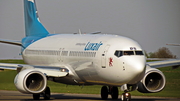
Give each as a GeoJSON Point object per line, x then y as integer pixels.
{"type": "Point", "coordinates": [96, 32]}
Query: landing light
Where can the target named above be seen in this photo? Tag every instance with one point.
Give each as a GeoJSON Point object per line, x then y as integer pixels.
{"type": "Point", "coordinates": [63, 70]}
{"type": "Point", "coordinates": [127, 94]}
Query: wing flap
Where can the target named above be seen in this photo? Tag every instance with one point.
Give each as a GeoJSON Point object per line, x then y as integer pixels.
{"type": "Point", "coordinates": [165, 63]}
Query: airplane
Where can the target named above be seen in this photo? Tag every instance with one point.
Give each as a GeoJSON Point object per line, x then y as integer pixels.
{"type": "Point", "coordinates": [173, 44]}
{"type": "Point", "coordinates": [112, 61]}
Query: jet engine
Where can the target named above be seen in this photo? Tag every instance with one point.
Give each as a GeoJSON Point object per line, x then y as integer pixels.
{"type": "Point", "coordinates": [30, 81]}
{"type": "Point", "coordinates": [153, 81]}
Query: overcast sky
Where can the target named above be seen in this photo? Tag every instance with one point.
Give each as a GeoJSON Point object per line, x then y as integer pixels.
{"type": "Point", "coordinates": [152, 23]}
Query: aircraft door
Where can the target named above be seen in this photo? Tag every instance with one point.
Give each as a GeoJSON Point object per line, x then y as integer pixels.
{"type": "Point", "coordinates": [103, 57]}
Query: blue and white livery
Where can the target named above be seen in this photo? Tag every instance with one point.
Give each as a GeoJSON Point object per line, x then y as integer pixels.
{"type": "Point", "coordinates": [82, 59]}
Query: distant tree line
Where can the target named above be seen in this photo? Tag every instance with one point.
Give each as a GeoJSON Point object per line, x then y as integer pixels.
{"type": "Point", "coordinates": [162, 52]}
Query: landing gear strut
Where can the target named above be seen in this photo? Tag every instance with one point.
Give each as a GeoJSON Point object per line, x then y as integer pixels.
{"type": "Point", "coordinates": [113, 91]}
{"type": "Point", "coordinates": [46, 94]}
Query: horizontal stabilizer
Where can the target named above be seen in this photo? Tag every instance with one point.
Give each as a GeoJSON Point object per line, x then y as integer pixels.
{"type": "Point", "coordinates": [12, 42]}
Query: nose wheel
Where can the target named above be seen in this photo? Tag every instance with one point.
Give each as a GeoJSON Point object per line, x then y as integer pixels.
{"type": "Point", "coordinates": [126, 97]}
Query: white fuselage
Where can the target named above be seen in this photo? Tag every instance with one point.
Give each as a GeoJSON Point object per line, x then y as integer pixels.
{"type": "Point", "coordinates": [91, 59]}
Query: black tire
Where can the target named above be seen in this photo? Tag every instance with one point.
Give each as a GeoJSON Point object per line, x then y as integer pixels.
{"type": "Point", "coordinates": [47, 93]}
{"type": "Point", "coordinates": [36, 96]}
{"type": "Point", "coordinates": [114, 93]}
{"type": "Point", "coordinates": [104, 92]}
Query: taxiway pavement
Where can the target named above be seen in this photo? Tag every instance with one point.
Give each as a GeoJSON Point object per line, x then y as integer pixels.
{"type": "Point", "coordinates": [17, 96]}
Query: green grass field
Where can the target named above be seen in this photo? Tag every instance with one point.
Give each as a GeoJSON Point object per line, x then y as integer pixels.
{"type": "Point", "coordinates": [172, 88]}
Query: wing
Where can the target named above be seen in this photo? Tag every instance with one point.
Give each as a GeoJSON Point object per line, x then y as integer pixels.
{"type": "Point", "coordinates": [12, 42]}
{"type": "Point", "coordinates": [165, 63]}
{"type": "Point", "coordinates": [47, 70]}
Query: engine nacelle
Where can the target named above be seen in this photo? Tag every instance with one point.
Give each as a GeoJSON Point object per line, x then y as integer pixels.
{"type": "Point", "coordinates": [153, 81]}
{"type": "Point", "coordinates": [30, 81]}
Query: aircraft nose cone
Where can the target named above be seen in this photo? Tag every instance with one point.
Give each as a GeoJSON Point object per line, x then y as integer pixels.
{"type": "Point", "coordinates": [139, 65]}
{"type": "Point", "coordinates": [136, 68]}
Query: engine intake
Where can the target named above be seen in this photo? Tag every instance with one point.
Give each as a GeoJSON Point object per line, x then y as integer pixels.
{"type": "Point", "coordinates": [153, 81]}
{"type": "Point", "coordinates": [30, 81]}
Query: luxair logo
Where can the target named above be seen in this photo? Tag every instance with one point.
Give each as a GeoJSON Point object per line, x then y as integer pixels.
{"type": "Point", "coordinates": [92, 46]}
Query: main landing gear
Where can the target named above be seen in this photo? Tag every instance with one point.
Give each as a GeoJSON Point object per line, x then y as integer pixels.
{"type": "Point", "coordinates": [114, 92]}
{"type": "Point", "coordinates": [46, 94]}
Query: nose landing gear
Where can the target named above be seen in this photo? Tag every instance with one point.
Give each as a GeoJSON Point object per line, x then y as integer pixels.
{"type": "Point", "coordinates": [127, 88]}
{"type": "Point", "coordinates": [126, 97]}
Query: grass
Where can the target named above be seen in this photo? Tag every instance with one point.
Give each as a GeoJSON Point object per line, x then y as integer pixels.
{"type": "Point", "coordinates": [12, 61]}
{"type": "Point", "coordinates": [172, 88]}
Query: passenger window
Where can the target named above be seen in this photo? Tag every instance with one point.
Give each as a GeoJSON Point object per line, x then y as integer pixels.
{"type": "Point", "coordinates": [139, 52]}
{"type": "Point", "coordinates": [118, 53]}
{"type": "Point", "coordinates": [128, 53]}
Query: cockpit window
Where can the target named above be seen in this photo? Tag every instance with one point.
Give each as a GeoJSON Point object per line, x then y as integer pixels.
{"type": "Point", "coordinates": [118, 53]}
{"type": "Point", "coordinates": [139, 52]}
{"type": "Point", "coordinates": [128, 53]}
